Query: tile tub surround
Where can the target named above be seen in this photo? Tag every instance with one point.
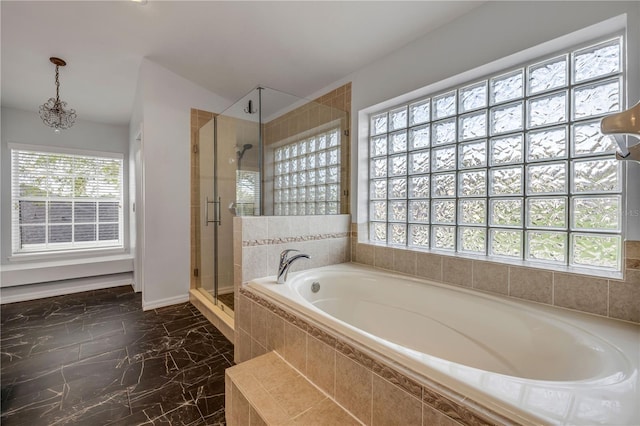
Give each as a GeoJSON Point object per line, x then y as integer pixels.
{"type": "Point", "coordinates": [614, 298]}
{"type": "Point", "coordinates": [370, 387]}
{"type": "Point", "coordinates": [258, 242]}
{"type": "Point", "coordinates": [96, 358]}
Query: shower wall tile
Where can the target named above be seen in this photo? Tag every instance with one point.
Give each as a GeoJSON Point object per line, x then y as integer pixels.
{"type": "Point", "coordinates": [383, 257]}
{"type": "Point", "coordinates": [624, 301]}
{"type": "Point", "coordinates": [492, 277]}
{"type": "Point", "coordinates": [407, 409]}
{"type": "Point", "coordinates": [429, 266]}
{"type": "Point", "coordinates": [404, 261]}
{"type": "Point", "coordinates": [581, 293]}
{"type": "Point", "coordinates": [531, 284]}
{"type": "Point", "coordinates": [254, 262]}
{"type": "Point", "coordinates": [457, 271]}
{"type": "Point", "coordinates": [364, 253]}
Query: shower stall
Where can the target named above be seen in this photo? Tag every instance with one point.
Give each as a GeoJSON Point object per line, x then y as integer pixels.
{"type": "Point", "coordinates": [270, 153]}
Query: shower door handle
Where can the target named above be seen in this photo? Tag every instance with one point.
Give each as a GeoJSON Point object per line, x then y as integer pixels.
{"type": "Point", "coordinates": [217, 219]}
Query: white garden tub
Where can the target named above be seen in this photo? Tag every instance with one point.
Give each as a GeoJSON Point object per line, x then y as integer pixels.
{"type": "Point", "coordinates": [529, 362]}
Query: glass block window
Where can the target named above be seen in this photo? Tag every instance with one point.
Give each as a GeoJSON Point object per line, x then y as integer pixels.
{"type": "Point", "coordinates": [65, 202]}
{"type": "Point", "coordinates": [307, 176]}
{"type": "Point", "coordinates": [512, 166]}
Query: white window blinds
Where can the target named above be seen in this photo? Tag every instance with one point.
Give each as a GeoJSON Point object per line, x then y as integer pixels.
{"type": "Point", "coordinates": [65, 201]}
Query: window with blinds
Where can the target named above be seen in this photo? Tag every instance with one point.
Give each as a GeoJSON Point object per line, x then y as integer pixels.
{"type": "Point", "coordinates": [247, 193]}
{"type": "Point", "coordinates": [65, 202]}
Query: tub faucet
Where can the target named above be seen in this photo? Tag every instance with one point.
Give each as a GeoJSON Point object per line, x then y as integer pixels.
{"type": "Point", "coordinates": [285, 264]}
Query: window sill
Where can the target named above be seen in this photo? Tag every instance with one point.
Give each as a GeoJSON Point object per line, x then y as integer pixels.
{"type": "Point", "coordinates": [76, 255]}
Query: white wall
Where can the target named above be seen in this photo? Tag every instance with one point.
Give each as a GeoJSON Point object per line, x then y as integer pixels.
{"type": "Point", "coordinates": [25, 127]}
{"type": "Point", "coordinates": [490, 32]}
{"type": "Point", "coordinates": [164, 102]}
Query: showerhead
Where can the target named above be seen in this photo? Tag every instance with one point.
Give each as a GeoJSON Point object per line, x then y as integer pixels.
{"type": "Point", "coordinates": [245, 147]}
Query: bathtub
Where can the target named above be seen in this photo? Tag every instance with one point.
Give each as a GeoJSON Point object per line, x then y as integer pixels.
{"type": "Point", "coordinates": [528, 362]}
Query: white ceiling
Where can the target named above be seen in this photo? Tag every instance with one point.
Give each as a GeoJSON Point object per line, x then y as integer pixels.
{"type": "Point", "coordinates": [227, 47]}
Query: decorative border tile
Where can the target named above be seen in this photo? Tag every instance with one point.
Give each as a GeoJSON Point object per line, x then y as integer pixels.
{"type": "Point", "coordinates": [441, 398]}
{"type": "Point", "coordinates": [296, 239]}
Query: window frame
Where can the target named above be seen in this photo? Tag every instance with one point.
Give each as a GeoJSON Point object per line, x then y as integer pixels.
{"type": "Point", "coordinates": [440, 89]}
{"type": "Point", "coordinates": [72, 248]}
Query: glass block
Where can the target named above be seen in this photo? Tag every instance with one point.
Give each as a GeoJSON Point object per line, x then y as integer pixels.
{"type": "Point", "coordinates": [397, 142]}
{"type": "Point", "coordinates": [398, 165]}
{"type": "Point", "coordinates": [398, 188]}
{"type": "Point", "coordinates": [277, 182]}
{"type": "Point", "coordinates": [548, 75]}
{"type": "Point", "coordinates": [311, 193]}
{"type": "Point", "coordinates": [397, 234]}
{"type": "Point", "coordinates": [444, 159]}
{"type": "Point", "coordinates": [444, 105]}
{"type": "Point", "coordinates": [302, 194]}
{"type": "Point", "coordinates": [321, 193]}
{"type": "Point", "coordinates": [597, 61]}
{"type": "Point", "coordinates": [332, 208]}
{"type": "Point", "coordinates": [378, 146]}
{"type": "Point", "coordinates": [378, 168]}
{"type": "Point", "coordinates": [293, 150]}
{"type": "Point", "coordinates": [321, 208]}
{"type": "Point", "coordinates": [444, 237]}
{"type": "Point", "coordinates": [293, 165]}
{"type": "Point", "coordinates": [277, 196]}
{"type": "Point", "coordinates": [321, 159]}
{"type": "Point", "coordinates": [547, 178]}
{"type": "Point", "coordinates": [596, 99]}
{"type": "Point", "coordinates": [419, 187]}
{"type": "Point", "coordinates": [397, 211]}
{"type": "Point", "coordinates": [547, 212]}
{"type": "Point", "coordinates": [419, 112]}
{"type": "Point", "coordinates": [419, 211]}
{"type": "Point", "coordinates": [302, 163]}
{"type": "Point", "coordinates": [321, 142]}
{"type": "Point", "coordinates": [378, 125]}
{"type": "Point", "coordinates": [302, 178]}
{"type": "Point", "coordinates": [332, 193]}
{"type": "Point", "coordinates": [546, 110]}
{"type": "Point", "coordinates": [333, 139]}
{"type": "Point", "coordinates": [311, 144]}
{"type": "Point", "coordinates": [596, 213]}
{"type": "Point", "coordinates": [472, 212]}
{"type": "Point", "coordinates": [321, 176]}
{"type": "Point", "coordinates": [444, 185]}
{"type": "Point", "coordinates": [286, 153]}
{"type": "Point", "coordinates": [293, 209]}
{"type": "Point", "coordinates": [284, 195]}
{"type": "Point", "coordinates": [311, 161]}
{"type": "Point", "coordinates": [602, 175]}
{"type": "Point", "coordinates": [587, 139]}
{"type": "Point", "coordinates": [546, 246]}
{"type": "Point", "coordinates": [473, 96]}
{"type": "Point", "coordinates": [505, 181]}
{"type": "Point", "coordinates": [311, 209]}
{"type": "Point", "coordinates": [419, 162]}
{"type": "Point", "coordinates": [293, 195]}
{"type": "Point", "coordinates": [285, 181]}
{"type": "Point", "coordinates": [278, 154]}
{"type": "Point", "coordinates": [443, 211]}
{"type": "Point", "coordinates": [473, 126]}
{"type": "Point", "coordinates": [506, 118]}
{"type": "Point", "coordinates": [505, 212]}
{"type": "Point", "coordinates": [471, 155]}
{"type": "Point", "coordinates": [398, 118]}
{"type": "Point", "coordinates": [332, 174]}
{"type": "Point", "coordinates": [378, 232]}
{"type": "Point", "coordinates": [472, 183]}
{"type": "Point", "coordinates": [284, 167]}
{"type": "Point", "coordinates": [419, 137]}
{"type": "Point", "coordinates": [602, 251]}
{"type": "Point", "coordinates": [419, 236]}
{"type": "Point", "coordinates": [472, 240]}
{"type": "Point", "coordinates": [302, 148]}
{"type": "Point", "coordinates": [506, 87]}
{"type": "Point", "coordinates": [506, 150]}
{"type": "Point", "coordinates": [333, 156]}
{"type": "Point", "coordinates": [444, 132]}
{"type": "Point", "coordinates": [504, 242]}
{"type": "Point", "coordinates": [547, 144]}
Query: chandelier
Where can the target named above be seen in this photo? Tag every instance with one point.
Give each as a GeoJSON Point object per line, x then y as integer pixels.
{"type": "Point", "coordinates": [54, 112]}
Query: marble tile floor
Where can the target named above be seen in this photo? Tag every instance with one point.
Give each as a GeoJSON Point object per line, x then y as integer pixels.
{"type": "Point", "coordinates": [96, 358]}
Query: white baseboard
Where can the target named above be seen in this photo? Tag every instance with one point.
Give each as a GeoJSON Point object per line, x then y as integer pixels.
{"type": "Point", "coordinates": [58, 288]}
{"type": "Point", "coordinates": [155, 304]}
